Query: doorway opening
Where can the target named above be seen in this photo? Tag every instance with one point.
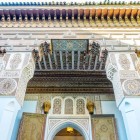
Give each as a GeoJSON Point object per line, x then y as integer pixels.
{"type": "Point", "coordinates": [68, 133]}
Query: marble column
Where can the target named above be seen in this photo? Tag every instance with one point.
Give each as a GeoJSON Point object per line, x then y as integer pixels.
{"type": "Point", "coordinates": [16, 69]}
{"type": "Point", "coordinates": [122, 69]}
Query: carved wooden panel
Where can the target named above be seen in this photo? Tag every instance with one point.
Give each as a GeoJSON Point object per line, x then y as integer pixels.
{"type": "Point", "coordinates": [32, 127]}
{"type": "Point", "coordinates": [104, 128]}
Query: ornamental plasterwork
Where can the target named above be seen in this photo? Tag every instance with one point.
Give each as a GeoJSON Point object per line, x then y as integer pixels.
{"type": "Point", "coordinates": [110, 71]}
{"type": "Point", "coordinates": [10, 74]}
{"type": "Point", "coordinates": [55, 122]}
{"type": "Point", "coordinates": [27, 74]}
{"type": "Point", "coordinates": [131, 74]}
{"type": "Point", "coordinates": [41, 98]}
{"type": "Point", "coordinates": [7, 86]}
{"type": "Point", "coordinates": [137, 65]}
{"type": "Point", "coordinates": [84, 123]}
{"type": "Point", "coordinates": [2, 64]}
{"type": "Point", "coordinates": [15, 61]}
{"type": "Point", "coordinates": [124, 62]}
{"type": "Point", "coordinates": [125, 72]}
{"type": "Point", "coordinates": [80, 106]}
{"type": "Point", "coordinates": [131, 87]}
{"type": "Point", "coordinates": [68, 106]}
{"type": "Point", "coordinates": [57, 106]}
{"type": "Point", "coordinates": [29, 40]}
{"type": "Point", "coordinates": [98, 108]}
{"type": "Point", "coordinates": [118, 91]}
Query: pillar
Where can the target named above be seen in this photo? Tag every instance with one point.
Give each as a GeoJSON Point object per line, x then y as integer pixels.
{"type": "Point", "coordinates": [122, 69]}
{"type": "Point", "coordinates": [16, 69]}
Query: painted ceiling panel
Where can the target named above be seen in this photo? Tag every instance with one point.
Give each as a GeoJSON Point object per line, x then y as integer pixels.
{"type": "Point", "coordinates": [69, 45]}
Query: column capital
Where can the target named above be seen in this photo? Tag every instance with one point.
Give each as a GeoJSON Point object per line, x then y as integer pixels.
{"type": "Point", "coordinates": [16, 69]}
{"type": "Point", "coordinates": [122, 69]}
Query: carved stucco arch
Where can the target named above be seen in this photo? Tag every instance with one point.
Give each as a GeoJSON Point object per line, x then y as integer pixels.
{"type": "Point", "coordinates": [63, 124]}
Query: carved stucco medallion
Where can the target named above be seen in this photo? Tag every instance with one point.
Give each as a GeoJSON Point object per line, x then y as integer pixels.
{"type": "Point", "coordinates": [15, 61]}
{"type": "Point", "coordinates": [131, 87]}
{"type": "Point", "coordinates": [124, 62]}
{"type": "Point", "coordinates": [7, 86]}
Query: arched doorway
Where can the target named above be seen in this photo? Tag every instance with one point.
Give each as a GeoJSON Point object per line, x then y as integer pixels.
{"type": "Point", "coordinates": [68, 123]}
{"type": "Point", "coordinates": [68, 133]}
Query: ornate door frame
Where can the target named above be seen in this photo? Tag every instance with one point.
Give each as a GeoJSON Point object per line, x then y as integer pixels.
{"type": "Point", "coordinates": [56, 123]}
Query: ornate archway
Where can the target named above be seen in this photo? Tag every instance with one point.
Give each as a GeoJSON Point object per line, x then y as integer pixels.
{"type": "Point", "coordinates": [66, 123]}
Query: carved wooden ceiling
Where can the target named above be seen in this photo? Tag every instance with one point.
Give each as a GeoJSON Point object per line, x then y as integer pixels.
{"type": "Point", "coordinates": [70, 66]}
{"type": "Point", "coordinates": [70, 55]}
{"type": "Point", "coordinates": [70, 82]}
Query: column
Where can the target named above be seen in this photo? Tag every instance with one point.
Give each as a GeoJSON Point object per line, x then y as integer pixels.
{"type": "Point", "coordinates": [122, 69]}
{"type": "Point", "coordinates": [16, 69]}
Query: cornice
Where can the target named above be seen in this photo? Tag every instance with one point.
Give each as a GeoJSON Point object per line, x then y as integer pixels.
{"type": "Point", "coordinates": [70, 17]}
{"type": "Point", "coordinates": [28, 39]}
{"type": "Point", "coordinates": [65, 3]}
{"type": "Point", "coordinates": [70, 90]}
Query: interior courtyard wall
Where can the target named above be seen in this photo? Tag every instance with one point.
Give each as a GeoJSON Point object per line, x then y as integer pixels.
{"type": "Point", "coordinates": [104, 104]}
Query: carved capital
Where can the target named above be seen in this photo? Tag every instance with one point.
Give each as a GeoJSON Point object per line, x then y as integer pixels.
{"type": "Point", "coordinates": [16, 69]}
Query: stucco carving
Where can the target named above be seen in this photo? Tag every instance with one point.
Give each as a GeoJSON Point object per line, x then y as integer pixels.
{"type": "Point", "coordinates": [15, 61]}
{"type": "Point", "coordinates": [7, 86]}
{"type": "Point", "coordinates": [137, 65]}
{"type": "Point", "coordinates": [84, 123]}
{"type": "Point", "coordinates": [27, 74]}
{"type": "Point", "coordinates": [80, 106]}
{"type": "Point", "coordinates": [124, 62]}
{"type": "Point", "coordinates": [68, 106]}
{"type": "Point", "coordinates": [53, 122]}
{"type": "Point", "coordinates": [110, 71]}
{"type": "Point", "coordinates": [2, 64]}
{"type": "Point", "coordinates": [131, 87]}
{"type": "Point", "coordinates": [57, 106]}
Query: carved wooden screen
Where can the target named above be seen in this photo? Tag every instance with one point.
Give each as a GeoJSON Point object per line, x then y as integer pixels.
{"type": "Point", "coordinates": [32, 127]}
{"type": "Point", "coordinates": [104, 128]}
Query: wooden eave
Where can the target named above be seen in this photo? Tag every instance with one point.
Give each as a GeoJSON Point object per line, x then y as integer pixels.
{"type": "Point", "coordinates": [118, 16]}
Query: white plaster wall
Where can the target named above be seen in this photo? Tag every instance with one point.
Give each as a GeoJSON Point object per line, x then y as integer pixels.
{"type": "Point", "coordinates": [109, 107]}
{"type": "Point", "coordinates": [130, 108]}
{"type": "Point", "coordinates": [8, 111]}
